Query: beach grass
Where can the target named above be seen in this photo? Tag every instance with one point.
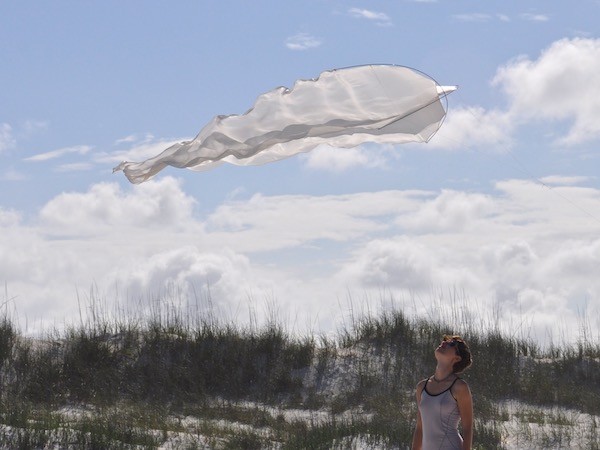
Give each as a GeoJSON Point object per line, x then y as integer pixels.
{"type": "Point", "coordinates": [169, 382]}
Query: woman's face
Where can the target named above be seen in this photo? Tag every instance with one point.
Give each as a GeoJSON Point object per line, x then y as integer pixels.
{"type": "Point", "coordinates": [447, 349]}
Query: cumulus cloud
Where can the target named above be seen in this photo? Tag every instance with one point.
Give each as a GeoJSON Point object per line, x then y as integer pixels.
{"type": "Point", "coordinates": [518, 246]}
{"type": "Point", "coordinates": [104, 206]}
{"type": "Point", "coordinates": [191, 275]}
{"type": "Point", "coordinates": [338, 160]}
{"type": "Point", "coordinates": [395, 263]}
{"type": "Point", "coordinates": [513, 262]}
{"type": "Point", "coordinates": [560, 85]}
{"type": "Point", "coordinates": [270, 223]}
{"type": "Point", "coordinates": [450, 211]}
{"type": "Point", "coordinates": [9, 218]}
{"type": "Point", "coordinates": [469, 127]}
{"type": "Point", "coordinates": [533, 261]}
{"type": "Point", "coordinates": [535, 203]}
{"type": "Point", "coordinates": [521, 247]}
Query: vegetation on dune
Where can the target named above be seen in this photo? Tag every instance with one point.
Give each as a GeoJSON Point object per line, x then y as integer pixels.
{"type": "Point", "coordinates": [163, 383]}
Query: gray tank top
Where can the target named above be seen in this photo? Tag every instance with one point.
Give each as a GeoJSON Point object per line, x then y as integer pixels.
{"type": "Point", "coordinates": [440, 417]}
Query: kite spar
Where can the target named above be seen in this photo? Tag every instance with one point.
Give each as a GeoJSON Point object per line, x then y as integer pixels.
{"type": "Point", "coordinates": [342, 108]}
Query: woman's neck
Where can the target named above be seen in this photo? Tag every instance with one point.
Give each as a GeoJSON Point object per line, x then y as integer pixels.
{"type": "Point", "coordinates": [442, 372]}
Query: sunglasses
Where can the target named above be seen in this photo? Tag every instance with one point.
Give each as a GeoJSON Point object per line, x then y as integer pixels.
{"type": "Point", "coordinates": [453, 344]}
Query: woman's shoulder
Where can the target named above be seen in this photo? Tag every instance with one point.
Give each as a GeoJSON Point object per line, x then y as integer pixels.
{"type": "Point", "coordinates": [461, 382]}
{"type": "Point", "coordinates": [420, 388]}
{"type": "Point", "coordinates": [421, 384]}
{"type": "Point", "coordinates": [460, 386]}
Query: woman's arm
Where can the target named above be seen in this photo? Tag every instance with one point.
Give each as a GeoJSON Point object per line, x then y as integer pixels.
{"type": "Point", "coordinates": [462, 393]}
{"type": "Point", "coordinates": [417, 442]}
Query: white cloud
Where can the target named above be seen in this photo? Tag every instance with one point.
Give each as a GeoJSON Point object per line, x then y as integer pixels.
{"type": "Point", "coordinates": [450, 211]}
{"type": "Point", "coordinates": [576, 260]}
{"type": "Point", "coordinates": [270, 223]}
{"type": "Point", "coordinates": [533, 263]}
{"type": "Point", "coordinates": [302, 41]}
{"type": "Point", "coordinates": [7, 140]}
{"type": "Point", "coordinates": [379, 18]}
{"type": "Point", "coordinates": [134, 138]}
{"type": "Point", "coordinates": [534, 17]}
{"type": "Point", "coordinates": [140, 151]}
{"type": "Point", "coordinates": [11, 174]}
{"type": "Point", "coordinates": [74, 167]}
{"type": "Point", "coordinates": [513, 261]}
{"type": "Point", "coordinates": [562, 84]}
{"type": "Point", "coordinates": [338, 160]}
{"type": "Point", "coordinates": [468, 127]}
{"type": "Point", "coordinates": [151, 205]}
{"type": "Point", "coordinates": [32, 127]}
{"type": "Point", "coordinates": [188, 271]}
{"type": "Point", "coordinates": [485, 17]}
{"type": "Point", "coordinates": [9, 218]}
{"type": "Point", "coordinates": [528, 247]}
{"type": "Point", "coordinates": [395, 263]}
{"type": "Point", "coordinates": [522, 247]}
{"type": "Point", "coordinates": [473, 17]}
{"type": "Point", "coordinates": [563, 180]}
{"type": "Point", "coordinates": [78, 150]}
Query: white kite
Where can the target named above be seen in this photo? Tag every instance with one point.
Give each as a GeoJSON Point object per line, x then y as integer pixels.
{"type": "Point", "coordinates": [341, 108]}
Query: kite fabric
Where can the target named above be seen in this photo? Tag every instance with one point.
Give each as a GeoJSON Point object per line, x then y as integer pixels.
{"type": "Point", "coordinates": [341, 108]}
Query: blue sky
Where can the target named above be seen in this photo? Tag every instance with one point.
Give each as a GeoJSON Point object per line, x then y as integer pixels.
{"type": "Point", "coordinates": [503, 205]}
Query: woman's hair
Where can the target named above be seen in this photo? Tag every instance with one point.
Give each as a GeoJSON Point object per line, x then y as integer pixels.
{"type": "Point", "coordinates": [463, 350]}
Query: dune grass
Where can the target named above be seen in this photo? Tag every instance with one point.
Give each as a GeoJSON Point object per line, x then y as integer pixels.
{"type": "Point", "coordinates": [165, 382]}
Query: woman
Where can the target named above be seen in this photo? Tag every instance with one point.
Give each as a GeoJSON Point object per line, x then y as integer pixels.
{"type": "Point", "coordinates": [444, 400]}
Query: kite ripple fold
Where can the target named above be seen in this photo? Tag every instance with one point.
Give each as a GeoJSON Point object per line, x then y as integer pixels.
{"type": "Point", "coordinates": [342, 108]}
